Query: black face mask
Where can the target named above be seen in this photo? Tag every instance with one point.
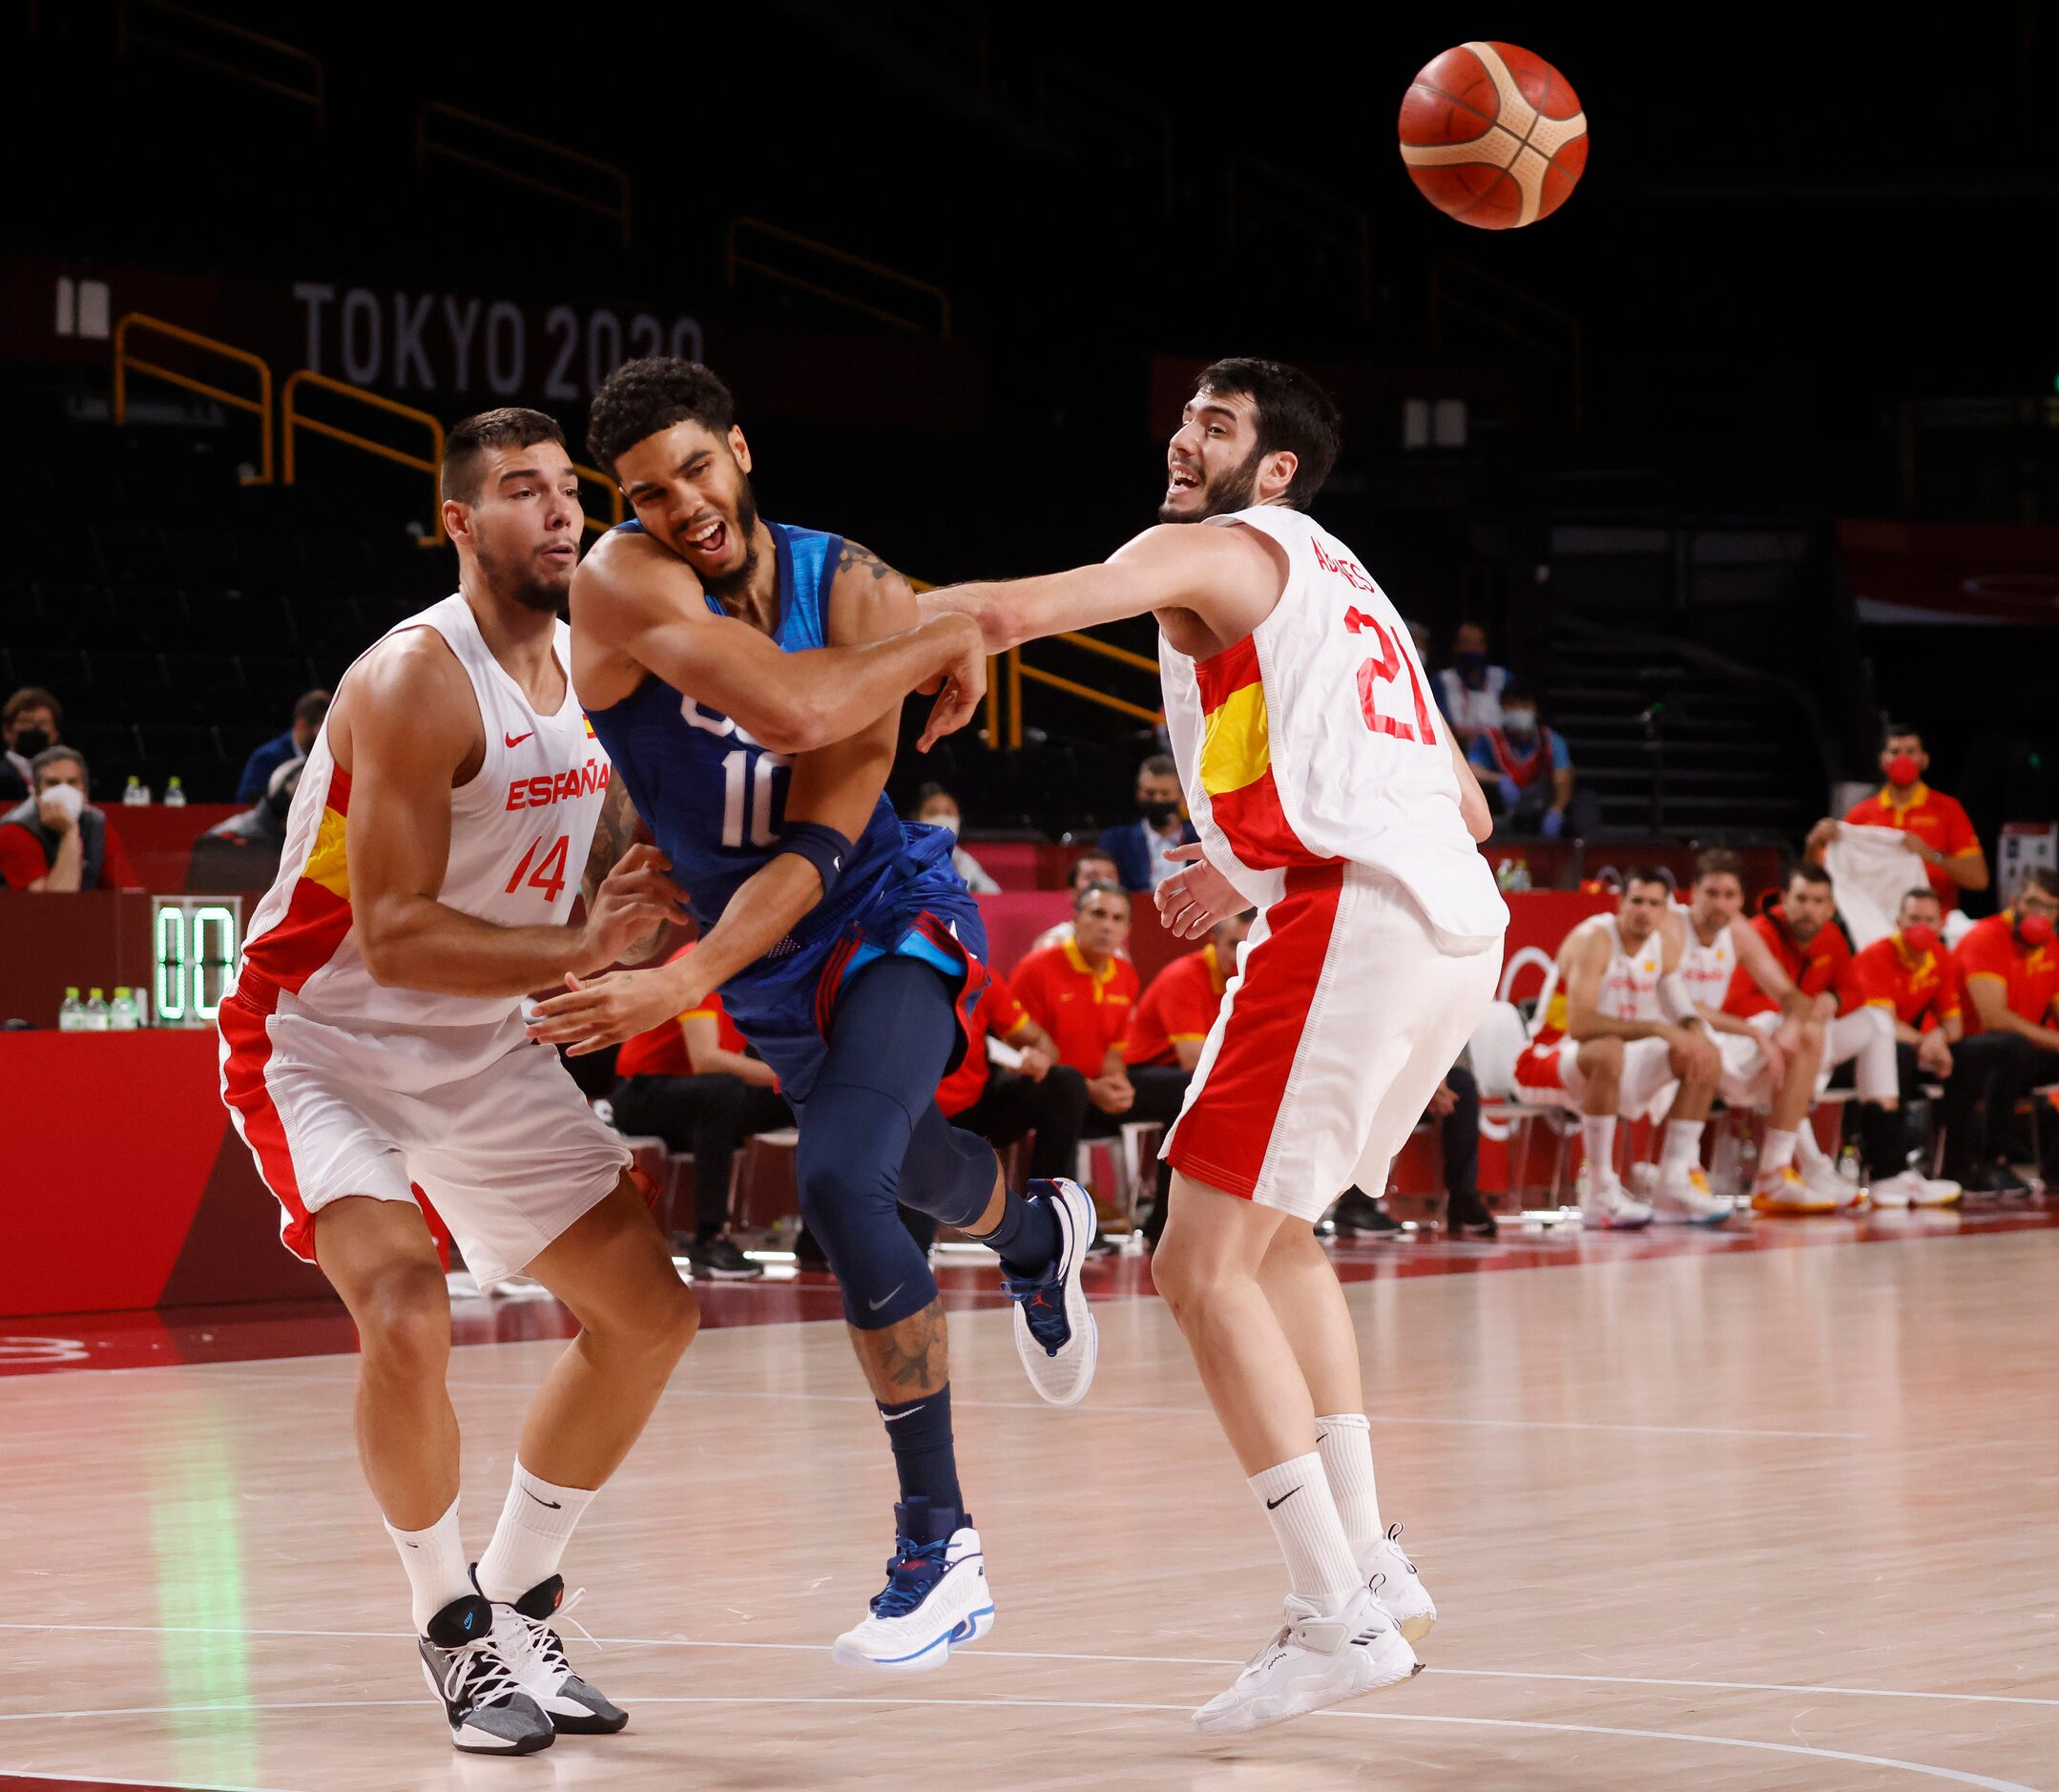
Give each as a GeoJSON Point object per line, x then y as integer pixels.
{"type": "Point", "coordinates": [30, 742]}
{"type": "Point", "coordinates": [1157, 814]}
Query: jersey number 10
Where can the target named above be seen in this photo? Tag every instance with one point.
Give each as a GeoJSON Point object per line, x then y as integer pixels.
{"type": "Point", "coordinates": [759, 773]}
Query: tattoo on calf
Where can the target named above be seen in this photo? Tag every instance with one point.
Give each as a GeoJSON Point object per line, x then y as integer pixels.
{"type": "Point", "coordinates": [910, 1358]}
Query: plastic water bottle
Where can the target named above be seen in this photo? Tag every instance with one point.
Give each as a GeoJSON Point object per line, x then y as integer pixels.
{"type": "Point", "coordinates": [137, 794]}
{"type": "Point", "coordinates": [71, 1011]}
{"type": "Point", "coordinates": [1848, 1170]}
{"type": "Point", "coordinates": [95, 1013]}
{"type": "Point", "coordinates": [121, 1014]}
{"type": "Point", "coordinates": [175, 795]}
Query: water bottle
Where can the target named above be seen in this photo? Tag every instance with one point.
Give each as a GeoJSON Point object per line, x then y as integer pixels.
{"type": "Point", "coordinates": [1848, 1170]}
{"type": "Point", "coordinates": [175, 795]}
{"type": "Point", "coordinates": [121, 1014]}
{"type": "Point", "coordinates": [137, 793]}
{"type": "Point", "coordinates": [95, 1014]}
{"type": "Point", "coordinates": [71, 1011]}
{"type": "Point", "coordinates": [1519, 877]}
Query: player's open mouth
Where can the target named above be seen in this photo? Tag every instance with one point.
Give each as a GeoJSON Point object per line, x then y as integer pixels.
{"type": "Point", "coordinates": [710, 540]}
{"type": "Point", "coordinates": [1182, 479]}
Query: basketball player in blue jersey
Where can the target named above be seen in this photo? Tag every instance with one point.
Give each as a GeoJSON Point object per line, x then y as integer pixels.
{"type": "Point", "coordinates": [747, 678]}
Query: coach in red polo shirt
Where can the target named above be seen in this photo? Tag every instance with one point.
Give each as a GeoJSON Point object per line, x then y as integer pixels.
{"type": "Point", "coordinates": [2009, 965]}
{"type": "Point", "coordinates": [1081, 991]}
{"type": "Point", "coordinates": [1938, 830]}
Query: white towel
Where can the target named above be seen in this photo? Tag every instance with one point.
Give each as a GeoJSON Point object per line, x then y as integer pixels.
{"type": "Point", "coordinates": [1871, 869]}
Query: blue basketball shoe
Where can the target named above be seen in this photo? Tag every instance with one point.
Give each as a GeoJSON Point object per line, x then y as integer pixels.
{"type": "Point", "coordinates": [936, 1597]}
{"type": "Point", "coordinates": [1055, 1335]}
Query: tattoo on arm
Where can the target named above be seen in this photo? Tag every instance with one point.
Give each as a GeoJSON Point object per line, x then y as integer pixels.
{"type": "Point", "coordinates": [613, 834]}
{"type": "Point", "coordinates": [854, 555]}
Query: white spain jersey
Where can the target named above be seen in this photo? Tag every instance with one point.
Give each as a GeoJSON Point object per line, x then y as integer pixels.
{"type": "Point", "coordinates": [1707, 969]}
{"type": "Point", "coordinates": [520, 831]}
{"type": "Point", "coordinates": [1316, 740]}
{"type": "Point", "coordinates": [1628, 987]}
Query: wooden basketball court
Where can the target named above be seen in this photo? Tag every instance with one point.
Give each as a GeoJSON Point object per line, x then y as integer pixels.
{"type": "Point", "coordinates": [1698, 1511]}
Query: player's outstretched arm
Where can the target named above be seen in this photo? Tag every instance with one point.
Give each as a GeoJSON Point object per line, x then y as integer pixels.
{"type": "Point", "coordinates": [636, 603]}
{"type": "Point", "coordinates": [1230, 577]}
{"type": "Point", "coordinates": [410, 715]}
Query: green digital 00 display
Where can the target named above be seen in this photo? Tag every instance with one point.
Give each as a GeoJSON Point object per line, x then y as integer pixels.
{"type": "Point", "coordinates": [193, 946]}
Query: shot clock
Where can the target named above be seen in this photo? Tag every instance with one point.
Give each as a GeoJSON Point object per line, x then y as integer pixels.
{"type": "Point", "coordinates": [194, 941]}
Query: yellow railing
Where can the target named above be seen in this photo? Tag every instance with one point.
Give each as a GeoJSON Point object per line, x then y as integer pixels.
{"type": "Point", "coordinates": [734, 260]}
{"type": "Point", "coordinates": [291, 420]}
{"type": "Point", "coordinates": [260, 406]}
{"type": "Point", "coordinates": [127, 32]}
{"type": "Point", "coordinates": [1018, 671]}
{"type": "Point", "coordinates": [427, 146]}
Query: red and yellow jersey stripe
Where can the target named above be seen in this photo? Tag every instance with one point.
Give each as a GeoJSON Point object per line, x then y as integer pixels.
{"type": "Point", "coordinates": [1236, 764]}
{"type": "Point", "coordinates": [318, 913]}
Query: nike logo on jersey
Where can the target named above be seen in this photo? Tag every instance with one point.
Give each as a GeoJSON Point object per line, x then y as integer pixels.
{"type": "Point", "coordinates": [557, 1506]}
{"type": "Point", "coordinates": [516, 739]}
{"type": "Point", "coordinates": [1284, 1497]}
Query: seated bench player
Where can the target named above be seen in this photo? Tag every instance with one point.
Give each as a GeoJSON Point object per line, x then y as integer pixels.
{"type": "Point", "coordinates": [1617, 1027]}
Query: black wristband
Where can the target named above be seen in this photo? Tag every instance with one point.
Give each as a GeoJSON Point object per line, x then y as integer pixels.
{"type": "Point", "coordinates": [821, 845]}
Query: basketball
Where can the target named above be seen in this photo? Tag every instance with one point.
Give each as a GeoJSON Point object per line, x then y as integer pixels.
{"type": "Point", "coordinates": [1493, 136]}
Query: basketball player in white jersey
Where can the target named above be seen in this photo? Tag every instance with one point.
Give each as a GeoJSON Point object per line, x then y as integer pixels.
{"type": "Point", "coordinates": [1616, 1028]}
{"type": "Point", "coordinates": [374, 1059]}
{"type": "Point", "coordinates": [1770, 1062]}
{"type": "Point", "coordinates": [1329, 794]}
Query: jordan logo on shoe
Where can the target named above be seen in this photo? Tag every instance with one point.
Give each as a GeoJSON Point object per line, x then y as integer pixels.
{"type": "Point", "coordinates": [1284, 1497]}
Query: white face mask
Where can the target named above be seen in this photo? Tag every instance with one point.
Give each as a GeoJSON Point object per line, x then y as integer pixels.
{"type": "Point", "coordinates": [947, 822]}
{"type": "Point", "coordinates": [1520, 723]}
{"type": "Point", "coordinates": [67, 797]}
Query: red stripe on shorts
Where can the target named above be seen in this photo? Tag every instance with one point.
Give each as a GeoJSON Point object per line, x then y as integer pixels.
{"type": "Point", "coordinates": [242, 1022]}
{"type": "Point", "coordinates": [1223, 1138]}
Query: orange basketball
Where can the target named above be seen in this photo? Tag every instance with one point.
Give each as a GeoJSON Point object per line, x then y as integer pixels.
{"type": "Point", "coordinates": [1493, 136]}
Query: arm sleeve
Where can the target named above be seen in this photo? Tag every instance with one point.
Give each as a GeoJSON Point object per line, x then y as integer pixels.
{"type": "Point", "coordinates": [20, 858]}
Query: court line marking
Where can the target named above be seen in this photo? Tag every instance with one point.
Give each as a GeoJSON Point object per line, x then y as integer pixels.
{"type": "Point", "coordinates": [227, 1372]}
{"type": "Point", "coordinates": [38, 1775]}
{"type": "Point", "coordinates": [1923, 1768]}
{"type": "Point", "coordinates": [1056, 1655]}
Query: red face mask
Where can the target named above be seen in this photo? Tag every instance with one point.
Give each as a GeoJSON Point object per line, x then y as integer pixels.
{"type": "Point", "coordinates": [1919, 940]}
{"type": "Point", "coordinates": [1903, 770]}
{"type": "Point", "coordinates": [2034, 930]}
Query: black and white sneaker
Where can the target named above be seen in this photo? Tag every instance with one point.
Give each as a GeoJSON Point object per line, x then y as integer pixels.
{"type": "Point", "coordinates": [536, 1653]}
{"type": "Point", "coordinates": [719, 1258]}
{"type": "Point", "coordinates": [489, 1709]}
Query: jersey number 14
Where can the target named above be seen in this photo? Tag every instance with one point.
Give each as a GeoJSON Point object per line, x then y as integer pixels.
{"type": "Point", "coordinates": [750, 780]}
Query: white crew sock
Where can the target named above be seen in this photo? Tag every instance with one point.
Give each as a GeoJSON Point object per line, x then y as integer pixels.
{"type": "Point", "coordinates": [1779, 1153]}
{"type": "Point", "coordinates": [1302, 1512]}
{"type": "Point", "coordinates": [1807, 1152]}
{"type": "Point", "coordinates": [437, 1571]}
{"type": "Point", "coordinates": [1345, 1441]}
{"type": "Point", "coordinates": [1598, 1140]}
{"type": "Point", "coordinates": [1683, 1146]}
{"type": "Point", "coordinates": [535, 1525]}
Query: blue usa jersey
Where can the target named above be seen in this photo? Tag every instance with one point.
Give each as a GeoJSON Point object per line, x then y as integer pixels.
{"type": "Point", "coordinates": [716, 803]}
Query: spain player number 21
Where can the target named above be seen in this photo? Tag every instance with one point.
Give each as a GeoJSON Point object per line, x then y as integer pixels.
{"type": "Point", "coordinates": [1384, 668]}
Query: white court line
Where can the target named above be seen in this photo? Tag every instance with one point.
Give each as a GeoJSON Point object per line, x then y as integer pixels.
{"type": "Point", "coordinates": [1951, 1773]}
{"type": "Point", "coordinates": [1058, 1654]}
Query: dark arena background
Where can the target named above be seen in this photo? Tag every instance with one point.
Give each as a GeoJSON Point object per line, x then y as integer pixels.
{"type": "Point", "coordinates": [1742, 470]}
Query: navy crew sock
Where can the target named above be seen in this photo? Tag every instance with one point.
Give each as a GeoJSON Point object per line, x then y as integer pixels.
{"type": "Point", "coordinates": [920, 1431]}
{"type": "Point", "coordinates": [1028, 1239]}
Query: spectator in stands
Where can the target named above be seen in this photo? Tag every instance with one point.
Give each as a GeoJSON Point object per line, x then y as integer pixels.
{"type": "Point", "coordinates": [939, 808]}
{"type": "Point", "coordinates": [692, 1082]}
{"type": "Point", "coordinates": [242, 852]}
{"type": "Point", "coordinates": [1455, 1111]}
{"type": "Point", "coordinates": [1935, 827]}
{"type": "Point", "coordinates": [2009, 966]}
{"type": "Point", "coordinates": [1911, 978]}
{"type": "Point", "coordinates": [29, 724]}
{"type": "Point", "coordinates": [57, 840]}
{"type": "Point", "coordinates": [1092, 866]}
{"type": "Point", "coordinates": [1526, 770]}
{"type": "Point", "coordinates": [1469, 690]}
{"type": "Point", "coordinates": [1167, 1030]}
{"type": "Point", "coordinates": [1081, 991]}
{"type": "Point", "coordinates": [1139, 847]}
{"type": "Point", "coordinates": [282, 749]}
{"type": "Point", "coordinates": [1038, 1095]}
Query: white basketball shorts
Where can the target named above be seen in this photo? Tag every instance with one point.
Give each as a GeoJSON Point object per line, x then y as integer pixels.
{"type": "Point", "coordinates": [482, 1129]}
{"type": "Point", "coordinates": [1342, 1019]}
{"type": "Point", "coordinates": [1553, 1065]}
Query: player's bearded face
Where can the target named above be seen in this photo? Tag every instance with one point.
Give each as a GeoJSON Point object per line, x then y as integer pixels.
{"type": "Point", "coordinates": [730, 573]}
{"type": "Point", "coordinates": [1212, 462]}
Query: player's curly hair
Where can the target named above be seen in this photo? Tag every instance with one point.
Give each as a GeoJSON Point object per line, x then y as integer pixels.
{"type": "Point", "coordinates": [1290, 411]}
{"type": "Point", "coordinates": [641, 397]}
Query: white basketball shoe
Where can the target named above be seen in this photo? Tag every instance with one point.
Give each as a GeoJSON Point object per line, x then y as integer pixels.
{"type": "Point", "coordinates": [1055, 1335]}
{"type": "Point", "coordinates": [1395, 1583]}
{"type": "Point", "coordinates": [1684, 1197]}
{"type": "Point", "coordinates": [936, 1597]}
{"type": "Point", "coordinates": [1313, 1661]}
{"type": "Point", "coordinates": [1605, 1206]}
